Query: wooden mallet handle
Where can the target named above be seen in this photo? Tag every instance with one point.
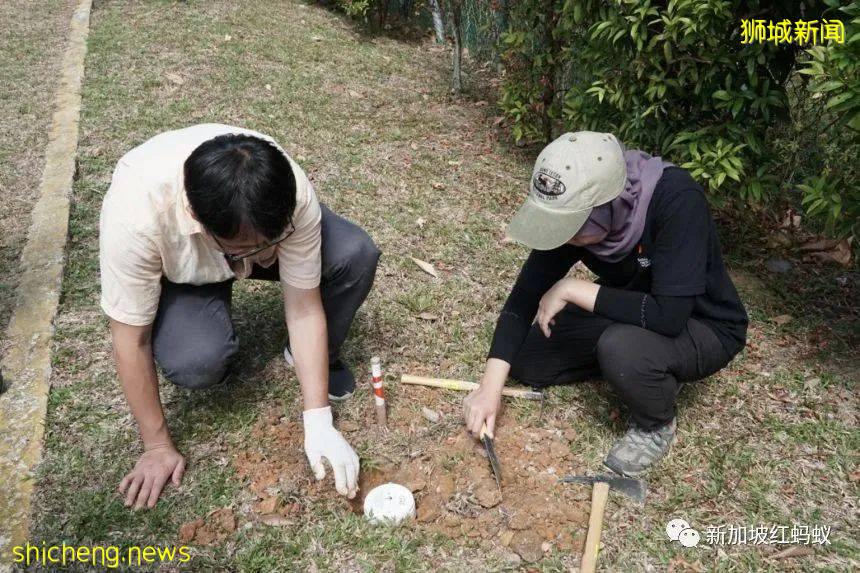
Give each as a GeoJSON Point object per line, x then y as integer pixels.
{"type": "Point", "coordinates": [599, 495]}
{"type": "Point", "coordinates": [467, 386]}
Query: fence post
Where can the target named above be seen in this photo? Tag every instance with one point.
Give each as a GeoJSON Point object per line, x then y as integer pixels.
{"type": "Point", "coordinates": [438, 23]}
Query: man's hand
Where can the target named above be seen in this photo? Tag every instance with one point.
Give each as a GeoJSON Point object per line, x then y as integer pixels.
{"type": "Point", "coordinates": [322, 440]}
{"type": "Point", "coordinates": [154, 468]}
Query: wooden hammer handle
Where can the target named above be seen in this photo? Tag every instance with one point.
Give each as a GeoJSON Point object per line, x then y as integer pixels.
{"type": "Point", "coordinates": [599, 495]}
{"type": "Point", "coordinates": [464, 385]}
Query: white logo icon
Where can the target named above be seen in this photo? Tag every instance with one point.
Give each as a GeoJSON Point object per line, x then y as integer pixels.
{"type": "Point", "coordinates": [679, 530]}
{"type": "Point", "coordinates": [689, 537]}
{"type": "Point", "coordinates": [675, 527]}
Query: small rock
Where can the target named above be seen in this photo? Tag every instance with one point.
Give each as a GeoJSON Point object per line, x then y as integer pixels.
{"type": "Point", "coordinates": [412, 478]}
{"type": "Point", "coordinates": [267, 505]}
{"type": "Point", "coordinates": [187, 530]}
{"type": "Point", "coordinates": [488, 494]}
{"type": "Point", "coordinates": [445, 487]}
{"type": "Point", "coordinates": [432, 416]}
{"type": "Point", "coordinates": [225, 519]}
{"type": "Point", "coordinates": [528, 544]}
{"type": "Point", "coordinates": [777, 265]}
{"type": "Point", "coordinates": [575, 514]}
{"type": "Point", "coordinates": [429, 509]}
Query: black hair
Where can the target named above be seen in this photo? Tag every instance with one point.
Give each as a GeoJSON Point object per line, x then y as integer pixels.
{"type": "Point", "coordinates": [239, 181]}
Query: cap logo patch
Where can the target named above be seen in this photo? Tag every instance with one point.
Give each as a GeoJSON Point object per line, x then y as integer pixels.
{"type": "Point", "coordinates": [548, 184]}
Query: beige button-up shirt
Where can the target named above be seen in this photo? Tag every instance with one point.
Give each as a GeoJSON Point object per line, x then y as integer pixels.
{"type": "Point", "coordinates": [147, 231]}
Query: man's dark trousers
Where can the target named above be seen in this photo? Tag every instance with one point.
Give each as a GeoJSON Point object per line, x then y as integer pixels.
{"type": "Point", "coordinates": [193, 338]}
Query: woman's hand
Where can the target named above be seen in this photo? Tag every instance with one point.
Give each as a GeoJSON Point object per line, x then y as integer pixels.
{"type": "Point", "coordinates": [568, 290]}
{"type": "Point", "coordinates": [482, 405]}
{"type": "Point", "coordinates": [551, 304]}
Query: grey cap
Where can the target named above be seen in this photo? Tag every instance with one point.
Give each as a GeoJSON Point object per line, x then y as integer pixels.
{"type": "Point", "coordinates": [572, 175]}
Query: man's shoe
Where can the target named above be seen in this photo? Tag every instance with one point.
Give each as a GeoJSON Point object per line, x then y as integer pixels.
{"type": "Point", "coordinates": [638, 450]}
{"type": "Point", "coordinates": [341, 382]}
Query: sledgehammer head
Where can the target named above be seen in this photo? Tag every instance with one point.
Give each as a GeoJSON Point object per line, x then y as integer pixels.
{"type": "Point", "coordinates": [633, 488]}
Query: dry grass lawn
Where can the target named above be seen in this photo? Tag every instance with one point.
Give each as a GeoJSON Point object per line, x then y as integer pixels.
{"type": "Point", "coordinates": [33, 36]}
{"type": "Point", "coordinates": [772, 440]}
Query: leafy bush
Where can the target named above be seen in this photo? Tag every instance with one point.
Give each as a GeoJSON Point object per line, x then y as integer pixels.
{"type": "Point", "coordinates": [832, 193]}
{"type": "Point", "coordinates": [674, 78]}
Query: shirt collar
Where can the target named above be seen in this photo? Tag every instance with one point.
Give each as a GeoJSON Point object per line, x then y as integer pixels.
{"type": "Point", "coordinates": [188, 225]}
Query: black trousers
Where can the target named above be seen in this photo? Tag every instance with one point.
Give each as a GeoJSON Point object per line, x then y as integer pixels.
{"type": "Point", "coordinates": [193, 338]}
{"type": "Point", "coordinates": [644, 368]}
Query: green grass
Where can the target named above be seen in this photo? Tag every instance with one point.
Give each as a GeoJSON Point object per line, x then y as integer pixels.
{"type": "Point", "coordinates": [372, 123]}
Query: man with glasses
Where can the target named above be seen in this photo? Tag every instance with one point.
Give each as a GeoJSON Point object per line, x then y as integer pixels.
{"type": "Point", "coordinates": [187, 213]}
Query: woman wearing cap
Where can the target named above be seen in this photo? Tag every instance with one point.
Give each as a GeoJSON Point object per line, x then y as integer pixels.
{"type": "Point", "coordinates": [663, 310]}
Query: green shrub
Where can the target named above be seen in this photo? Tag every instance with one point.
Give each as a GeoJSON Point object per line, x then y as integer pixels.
{"type": "Point", "coordinates": [830, 188]}
{"type": "Point", "coordinates": [674, 78]}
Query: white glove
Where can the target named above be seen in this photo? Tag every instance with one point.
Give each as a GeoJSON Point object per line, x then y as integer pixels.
{"type": "Point", "coordinates": [322, 440]}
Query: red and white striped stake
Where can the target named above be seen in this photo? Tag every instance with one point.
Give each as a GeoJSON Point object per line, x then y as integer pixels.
{"type": "Point", "coordinates": [378, 393]}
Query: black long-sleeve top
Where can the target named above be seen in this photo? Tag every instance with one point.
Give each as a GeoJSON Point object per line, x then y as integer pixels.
{"type": "Point", "coordinates": [675, 272]}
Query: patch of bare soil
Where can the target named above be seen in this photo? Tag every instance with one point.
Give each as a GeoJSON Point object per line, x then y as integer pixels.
{"type": "Point", "coordinates": [451, 479]}
{"type": "Point", "coordinates": [211, 530]}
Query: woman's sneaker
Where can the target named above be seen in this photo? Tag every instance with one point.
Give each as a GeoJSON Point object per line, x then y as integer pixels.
{"type": "Point", "coordinates": [341, 382]}
{"type": "Point", "coordinates": [637, 450]}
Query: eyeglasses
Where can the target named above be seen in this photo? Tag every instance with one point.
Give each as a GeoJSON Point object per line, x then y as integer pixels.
{"type": "Point", "coordinates": [235, 258]}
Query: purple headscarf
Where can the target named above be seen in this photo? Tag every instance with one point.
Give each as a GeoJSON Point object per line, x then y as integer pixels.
{"type": "Point", "coordinates": [621, 221]}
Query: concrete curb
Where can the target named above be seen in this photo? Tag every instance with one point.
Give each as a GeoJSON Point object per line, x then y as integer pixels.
{"type": "Point", "coordinates": [27, 366]}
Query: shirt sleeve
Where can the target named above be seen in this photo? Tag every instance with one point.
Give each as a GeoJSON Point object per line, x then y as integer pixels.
{"type": "Point", "coordinates": [130, 267]}
{"type": "Point", "coordinates": [680, 256]}
{"type": "Point", "coordinates": [666, 315]}
{"type": "Point", "coordinates": [541, 270]}
{"type": "Point", "coordinates": [300, 256]}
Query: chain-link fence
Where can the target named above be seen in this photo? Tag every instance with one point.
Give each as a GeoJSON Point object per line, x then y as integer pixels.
{"type": "Point", "coordinates": [483, 23]}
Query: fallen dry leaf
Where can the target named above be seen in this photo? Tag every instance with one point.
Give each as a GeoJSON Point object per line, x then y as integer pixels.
{"type": "Point", "coordinates": [275, 520]}
{"type": "Point", "coordinates": [840, 254]}
{"type": "Point", "coordinates": [428, 316]}
{"type": "Point", "coordinates": [175, 78]}
{"type": "Point", "coordinates": [782, 319]}
{"type": "Point", "coordinates": [796, 551]}
{"type": "Point", "coordinates": [426, 267]}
